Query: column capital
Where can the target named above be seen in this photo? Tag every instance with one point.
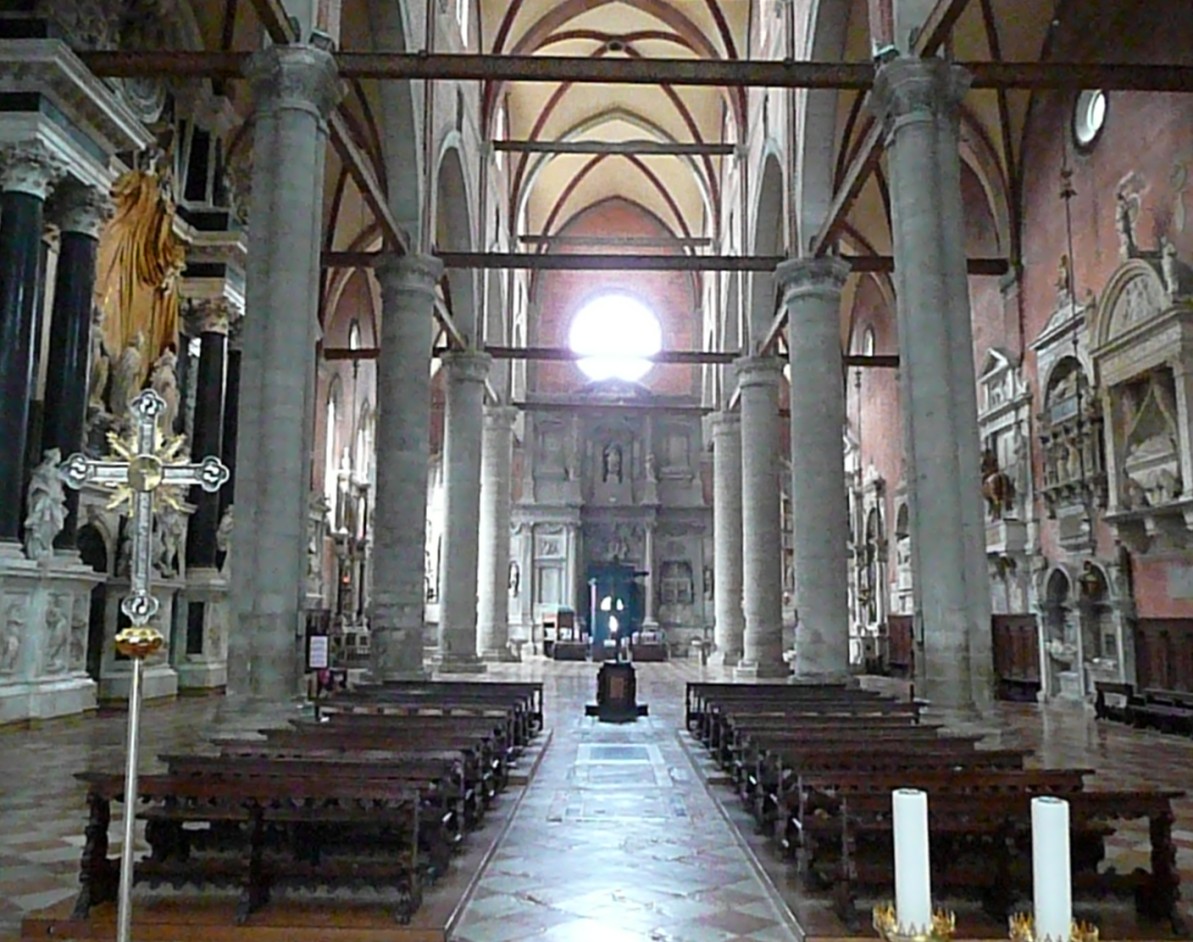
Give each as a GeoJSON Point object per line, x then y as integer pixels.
{"type": "Point", "coordinates": [910, 89]}
{"type": "Point", "coordinates": [822, 277]}
{"type": "Point", "coordinates": [76, 207]}
{"type": "Point", "coordinates": [294, 76]}
{"type": "Point", "coordinates": [500, 418]}
{"type": "Point", "coordinates": [758, 371]}
{"type": "Point", "coordinates": [406, 273]}
{"type": "Point", "coordinates": [30, 168]}
{"type": "Point", "coordinates": [208, 316]}
{"type": "Point", "coordinates": [467, 366]}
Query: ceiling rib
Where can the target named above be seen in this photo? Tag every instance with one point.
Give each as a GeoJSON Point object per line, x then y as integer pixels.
{"type": "Point", "coordinates": [745, 73]}
{"type": "Point", "coordinates": [637, 148]}
{"type": "Point", "coordinates": [537, 261]}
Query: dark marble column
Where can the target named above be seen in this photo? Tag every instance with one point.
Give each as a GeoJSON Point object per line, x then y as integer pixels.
{"type": "Point", "coordinates": [209, 322]}
{"type": "Point", "coordinates": [79, 212]}
{"type": "Point", "coordinates": [28, 174]}
{"type": "Point", "coordinates": [231, 407]}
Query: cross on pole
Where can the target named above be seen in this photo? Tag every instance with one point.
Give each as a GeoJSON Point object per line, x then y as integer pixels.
{"type": "Point", "coordinates": [143, 464]}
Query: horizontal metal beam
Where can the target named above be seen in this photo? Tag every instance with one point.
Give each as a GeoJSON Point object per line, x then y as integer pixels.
{"type": "Point", "coordinates": [684, 357]}
{"type": "Point", "coordinates": [634, 148]}
{"type": "Point", "coordinates": [636, 242]}
{"type": "Point", "coordinates": [597, 406]}
{"type": "Point", "coordinates": [577, 261]}
{"type": "Point", "coordinates": [735, 73]}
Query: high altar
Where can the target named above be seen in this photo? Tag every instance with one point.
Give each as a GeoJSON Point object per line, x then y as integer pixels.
{"type": "Point", "coordinates": [613, 478]}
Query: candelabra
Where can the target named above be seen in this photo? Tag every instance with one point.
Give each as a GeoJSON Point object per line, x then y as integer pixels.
{"type": "Point", "coordinates": [939, 929]}
{"type": "Point", "coordinates": [1023, 929]}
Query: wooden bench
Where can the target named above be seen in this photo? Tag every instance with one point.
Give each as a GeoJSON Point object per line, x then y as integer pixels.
{"type": "Point", "coordinates": [983, 847]}
{"type": "Point", "coordinates": [1169, 711]}
{"type": "Point", "coordinates": [818, 795]}
{"type": "Point", "coordinates": [527, 697]}
{"type": "Point", "coordinates": [273, 833]}
{"type": "Point", "coordinates": [438, 783]}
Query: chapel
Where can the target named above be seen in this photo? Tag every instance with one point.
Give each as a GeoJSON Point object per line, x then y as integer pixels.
{"type": "Point", "coordinates": [832, 345]}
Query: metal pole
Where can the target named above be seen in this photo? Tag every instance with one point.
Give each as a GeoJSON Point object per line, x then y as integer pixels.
{"type": "Point", "coordinates": [124, 914]}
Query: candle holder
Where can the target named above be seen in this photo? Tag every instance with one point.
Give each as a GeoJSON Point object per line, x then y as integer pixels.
{"type": "Point", "coordinates": [1022, 928]}
{"type": "Point", "coordinates": [886, 924]}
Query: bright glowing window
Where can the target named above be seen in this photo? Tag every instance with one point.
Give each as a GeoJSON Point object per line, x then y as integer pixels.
{"type": "Point", "coordinates": [615, 335]}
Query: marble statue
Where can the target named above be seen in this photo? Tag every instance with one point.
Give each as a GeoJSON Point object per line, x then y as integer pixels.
{"type": "Point", "coordinates": [223, 534]}
{"type": "Point", "coordinates": [652, 471]}
{"type": "Point", "coordinates": [101, 365]}
{"type": "Point", "coordinates": [58, 634]}
{"type": "Point", "coordinates": [515, 578]}
{"type": "Point", "coordinates": [1125, 221]}
{"type": "Point", "coordinates": [163, 379]}
{"type": "Point", "coordinates": [126, 377]}
{"type": "Point", "coordinates": [170, 526]}
{"type": "Point", "coordinates": [611, 463]}
{"type": "Point", "coordinates": [46, 505]}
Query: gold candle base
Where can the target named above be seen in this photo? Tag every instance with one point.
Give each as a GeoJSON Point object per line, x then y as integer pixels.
{"type": "Point", "coordinates": [886, 924]}
{"type": "Point", "coordinates": [1022, 928]}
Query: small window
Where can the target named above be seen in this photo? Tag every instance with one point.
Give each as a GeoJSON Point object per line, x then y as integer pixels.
{"type": "Point", "coordinates": [1089, 117]}
{"type": "Point", "coordinates": [868, 342]}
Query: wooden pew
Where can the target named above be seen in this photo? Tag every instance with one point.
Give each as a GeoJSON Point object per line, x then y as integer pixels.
{"type": "Point", "coordinates": [438, 782]}
{"type": "Point", "coordinates": [526, 697]}
{"type": "Point", "coordinates": [284, 831]}
{"type": "Point", "coordinates": [983, 847]}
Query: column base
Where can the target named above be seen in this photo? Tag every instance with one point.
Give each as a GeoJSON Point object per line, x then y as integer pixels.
{"type": "Point", "coordinates": [500, 656]}
{"type": "Point", "coordinates": [399, 677]}
{"type": "Point", "coordinates": [200, 676]}
{"type": "Point", "coordinates": [158, 682]}
{"type": "Point", "coordinates": [724, 658]}
{"type": "Point", "coordinates": [46, 698]}
{"type": "Point", "coordinates": [460, 664]}
{"type": "Point", "coordinates": [811, 678]}
{"type": "Point", "coordinates": [746, 670]}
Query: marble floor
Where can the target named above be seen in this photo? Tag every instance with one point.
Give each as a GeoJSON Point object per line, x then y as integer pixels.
{"type": "Point", "coordinates": [617, 837]}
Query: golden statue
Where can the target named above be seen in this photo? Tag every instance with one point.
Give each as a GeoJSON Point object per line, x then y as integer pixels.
{"type": "Point", "coordinates": [140, 261]}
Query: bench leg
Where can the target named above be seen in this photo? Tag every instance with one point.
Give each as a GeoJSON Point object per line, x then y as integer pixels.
{"type": "Point", "coordinates": [255, 893]}
{"type": "Point", "coordinates": [1157, 899]}
{"type": "Point", "coordinates": [98, 875]}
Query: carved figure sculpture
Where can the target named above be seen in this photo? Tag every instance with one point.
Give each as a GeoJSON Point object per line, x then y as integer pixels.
{"type": "Point", "coordinates": [126, 377]}
{"type": "Point", "coordinates": [78, 636]}
{"type": "Point", "coordinates": [167, 540]}
{"type": "Point", "coordinates": [46, 507]}
{"type": "Point", "coordinates": [652, 471]}
{"type": "Point", "coordinates": [10, 637]}
{"type": "Point", "coordinates": [139, 266]}
{"type": "Point", "coordinates": [611, 463]}
{"type": "Point", "coordinates": [57, 634]}
{"type": "Point", "coordinates": [101, 365]}
{"type": "Point", "coordinates": [1126, 226]}
{"type": "Point", "coordinates": [163, 379]}
{"type": "Point", "coordinates": [997, 487]}
{"type": "Point", "coordinates": [223, 534]}
{"type": "Point", "coordinates": [515, 578]}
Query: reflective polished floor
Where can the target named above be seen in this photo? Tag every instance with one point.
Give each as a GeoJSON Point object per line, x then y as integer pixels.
{"type": "Point", "coordinates": [616, 838]}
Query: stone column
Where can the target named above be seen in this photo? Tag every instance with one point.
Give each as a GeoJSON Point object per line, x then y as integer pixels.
{"type": "Point", "coordinates": [210, 323]}
{"type": "Point", "coordinates": [398, 598]}
{"type": "Point", "coordinates": [497, 455]}
{"type": "Point", "coordinates": [28, 174]}
{"type": "Point", "coordinates": [650, 584]}
{"type": "Point", "coordinates": [462, 432]}
{"type": "Point", "coordinates": [79, 212]}
{"type": "Point", "coordinates": [812, 296]}
{"type": "Point", "coordinates": [229, 441]}
{"type": "Point", "coordinates": [727, 538]}
{"type": "Point", "coordinates": [762, 656]}
{"type": "Point", "coordinates": [918, 100]}
{"type": "Point", "coordinates": [294, 89]}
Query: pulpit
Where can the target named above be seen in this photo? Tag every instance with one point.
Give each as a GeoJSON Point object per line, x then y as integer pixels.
{"type": "Point", "coordinates": [617, 694]}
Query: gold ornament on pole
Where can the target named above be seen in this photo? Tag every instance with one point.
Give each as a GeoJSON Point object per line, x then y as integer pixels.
{"type": "Point", "coordinates": [144, 464]}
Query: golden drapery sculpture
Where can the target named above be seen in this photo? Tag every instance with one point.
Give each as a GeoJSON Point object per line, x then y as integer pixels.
{"type": "Point", "coordinates": [140, 261]}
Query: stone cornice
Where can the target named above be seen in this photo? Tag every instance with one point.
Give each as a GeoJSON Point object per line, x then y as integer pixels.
{"type": "Point", "coordinates": [49, 67]}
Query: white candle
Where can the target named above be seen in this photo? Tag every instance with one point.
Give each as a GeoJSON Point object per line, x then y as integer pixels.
{"type": "Point", "coordinates": [913, 880]}
{"type": "Point", "coordinates": [1052, 885]}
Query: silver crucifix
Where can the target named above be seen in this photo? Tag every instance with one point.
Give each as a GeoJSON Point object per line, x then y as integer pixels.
{"type": "Point", "coordinates": [143, 462]}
